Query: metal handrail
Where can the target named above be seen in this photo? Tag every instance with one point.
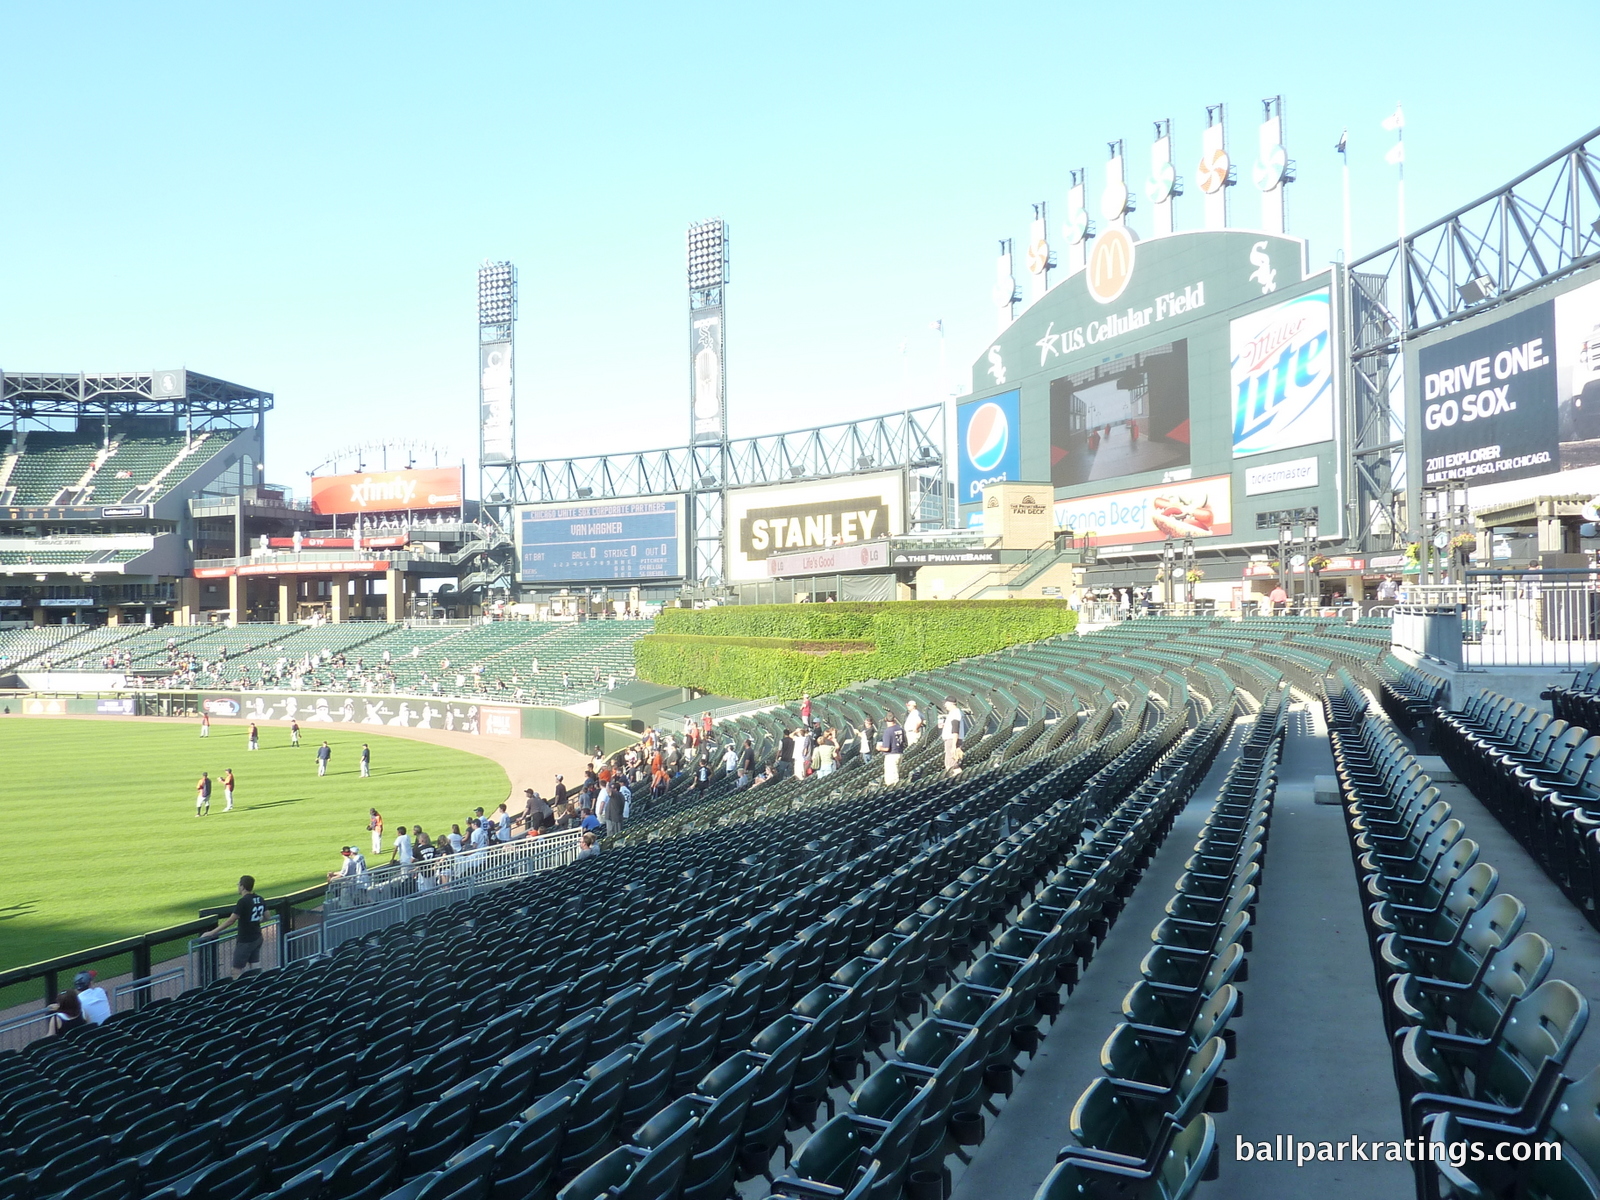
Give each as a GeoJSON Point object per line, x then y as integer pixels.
{"type": "Point", "coordinates": [477, 867]}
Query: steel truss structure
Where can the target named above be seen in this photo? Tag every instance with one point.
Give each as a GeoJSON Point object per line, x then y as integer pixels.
{"type": "Point", "coordinates": [200, 400]}
{"type": "Point", "coordinates": [913, 439]}
{"type": "Point", "coordinates": [1542, 225]}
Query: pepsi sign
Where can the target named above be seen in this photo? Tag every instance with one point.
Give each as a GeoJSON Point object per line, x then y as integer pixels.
{"type": "Point", "coordinates": [988, 437]}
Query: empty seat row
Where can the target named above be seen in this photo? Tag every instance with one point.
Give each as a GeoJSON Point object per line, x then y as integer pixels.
{"type": "Point", "coordinates": [1540, 776]}
{"type": "Point", "coordinates": [1480, 1034]}
{"type": "Point", "coordinates": [1142, 1128]}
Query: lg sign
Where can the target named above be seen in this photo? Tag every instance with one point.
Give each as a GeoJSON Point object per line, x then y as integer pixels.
{"type": "Point", "coordinates": [988, 433]}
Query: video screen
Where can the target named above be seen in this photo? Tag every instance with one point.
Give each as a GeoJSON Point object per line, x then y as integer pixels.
{"type": "Point", "coordinates": [1121, 417]}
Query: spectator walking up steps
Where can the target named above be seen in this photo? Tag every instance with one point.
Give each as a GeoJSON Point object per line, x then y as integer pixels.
{"type": "Point", "coordinates": [248, 913]}
{"type": "Point", "coordinates": [952, 728]}
{"type": "Point", "coordinates": [366, 761]}
{"type": "Point", "coordinates": [375, 827]}
{"type": "Point", "coordinates": [227, 789]}
{"type": "Point", "coordinates": [202, 795]}
{"type": "Point", "coordinates": [893, 746]}
{"type": "Point", "coordinates": [323, 755]}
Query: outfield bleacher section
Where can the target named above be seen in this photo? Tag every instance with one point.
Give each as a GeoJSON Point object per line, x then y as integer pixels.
{"type": "Point", "coordinates": [816, 987]}
{"type": "Point", "coordinates": [496, 659]}
{"type": "Point", "coordinates": [82, 468]}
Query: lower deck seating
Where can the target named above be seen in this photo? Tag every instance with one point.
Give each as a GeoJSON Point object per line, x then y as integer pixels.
{"type": "Point", "coordinates": [1481, 1035]}
{"type": "Point", "coordinates": [1540, 777]}
{"type": "Point", "coordinates": [1410, 695]}
{"type": "Point", "coordinates": [733, 972]}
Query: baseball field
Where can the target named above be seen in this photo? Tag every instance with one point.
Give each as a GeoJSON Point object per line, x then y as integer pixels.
{"type": "Point", "coordinates": [99, 838]}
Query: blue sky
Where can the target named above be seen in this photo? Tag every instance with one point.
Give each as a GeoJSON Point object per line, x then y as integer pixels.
{"type": "Point", "coordinates": [297, 196]}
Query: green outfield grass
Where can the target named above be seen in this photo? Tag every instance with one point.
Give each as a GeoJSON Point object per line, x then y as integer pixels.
{"type": "Point", "coordinates": [100, 839]}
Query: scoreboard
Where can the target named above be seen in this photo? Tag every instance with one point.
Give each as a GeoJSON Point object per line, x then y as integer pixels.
{"type": "Point", "coordinates": [601, 541]}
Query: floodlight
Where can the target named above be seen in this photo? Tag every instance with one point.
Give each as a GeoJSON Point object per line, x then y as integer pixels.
{"type": "Point", "coordinates": [1478, 288]}
{"type": "Point", "coordinates": [708, 255]}
{"type": "Point", "coordinates": [497, 293]}
{"type": "Point", "coordinates": [585, 493]}
{"type": "Point", "coordinates": [708, 481]}
{"type": "Point", "coordinates": [864, 462]}
{"type": "Point", "coordinates": [797, 472]}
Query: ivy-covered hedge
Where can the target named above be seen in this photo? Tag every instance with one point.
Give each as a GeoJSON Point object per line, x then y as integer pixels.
{"type": "Point", "coordinates": [753, 650]}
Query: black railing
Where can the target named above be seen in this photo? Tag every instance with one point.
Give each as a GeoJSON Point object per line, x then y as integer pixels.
{"type": "Point", "coordinates": [142, 947]}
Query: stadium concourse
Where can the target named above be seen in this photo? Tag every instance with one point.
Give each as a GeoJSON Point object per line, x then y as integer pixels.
{"type": "Point", "coordinates": [1027, 977]}
{"type": "Point", "coordinates": [531, 662]}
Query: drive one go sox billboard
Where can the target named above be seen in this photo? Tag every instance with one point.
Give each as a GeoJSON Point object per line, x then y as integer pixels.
{"type": "Point", "coordinates": [1515, 398]}
{"type": "Point", "coordinates": [1175, 387]}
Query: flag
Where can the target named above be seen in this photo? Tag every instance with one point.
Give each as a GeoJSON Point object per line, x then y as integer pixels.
{"type": "Point", "coordinates": [1395, 120]}
{"type": "Point", "coordinates": [1396, 154]}
{"type": "Point", "coordinates": [1344, 136]}
{"type": "Point", "coordinates": [936, 326]}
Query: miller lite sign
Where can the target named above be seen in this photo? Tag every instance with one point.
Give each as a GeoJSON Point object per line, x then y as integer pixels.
{"type": "Point", "coordinates": [1281, 375]}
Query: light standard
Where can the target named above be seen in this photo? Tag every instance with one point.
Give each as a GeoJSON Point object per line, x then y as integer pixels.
{"type": "Point", "coordinates": [1312, 589]}
{"type": "Point", "coordinates": [1168, 558]}
{"type": "Point", "coordinates": [1188, 569]}
{"type": "Point", "coordinates": [1285, 571]}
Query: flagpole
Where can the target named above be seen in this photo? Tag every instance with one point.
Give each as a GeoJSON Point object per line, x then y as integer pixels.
{"type": "Point", "coordinates": [1344, 159]}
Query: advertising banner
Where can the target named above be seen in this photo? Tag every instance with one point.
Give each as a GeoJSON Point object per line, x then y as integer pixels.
{"type": "Point", "coordinates": [1489, 409]}
{"type": "Point", "coordinates": [1121, 417]}
{"type": "Point", "coordinates": [1282, 374]}
{"type": "Point", "coordinates": [1281, 477]}
{"type": "Point", "coordinates": [598, 541]}
{"type": "Point", "coordinates": [706, 373]}
{"type": "Point", "coordinates": [1199, 508]}
{"type": "Point", "coordinates": [119, 708]}
{"type": "Point", "coordinates": [1578, 376]}
{"type": "Point", "coordinates": [1514, 398]}
{"type": "Point", "coordinates": [940, 558]}
{"type": "Point", "coordinates": [864, 557]}
{"type": "Point", "coordinates": [989, 448]}
{"type": "Point", "coordinates": [497, 411]}
{"type": "Point", "coordinates": [803, 517]}
{"type": "Point", "coordinates": [387, 541]}
{"type": "Point", "coordinates": [407, 712]}
{"type": "Point", "coordinates": [387, 491]}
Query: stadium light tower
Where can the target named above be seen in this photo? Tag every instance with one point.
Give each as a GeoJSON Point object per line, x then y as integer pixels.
{"type": "Point", "coordinates": [497, 416]}
{"type": "Point", "coordinates": [708, 395]}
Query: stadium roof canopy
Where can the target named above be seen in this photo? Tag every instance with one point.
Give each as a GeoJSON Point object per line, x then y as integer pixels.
{"type": "Point", "coordinates": [178, 393]}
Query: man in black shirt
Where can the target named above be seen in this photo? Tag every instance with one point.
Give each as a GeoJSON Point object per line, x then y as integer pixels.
{"type": "Point", "coordinates": [249, 913]}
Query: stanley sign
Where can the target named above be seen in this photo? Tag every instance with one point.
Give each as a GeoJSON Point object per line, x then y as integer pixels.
{"type": "Point", "coordinates": [807, 517]}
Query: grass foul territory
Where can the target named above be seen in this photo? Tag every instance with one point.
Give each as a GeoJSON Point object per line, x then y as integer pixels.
{"type": "Point", "coordinates": [102, 841]}
{"type": "Point", "coordinates": [756, 650]}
